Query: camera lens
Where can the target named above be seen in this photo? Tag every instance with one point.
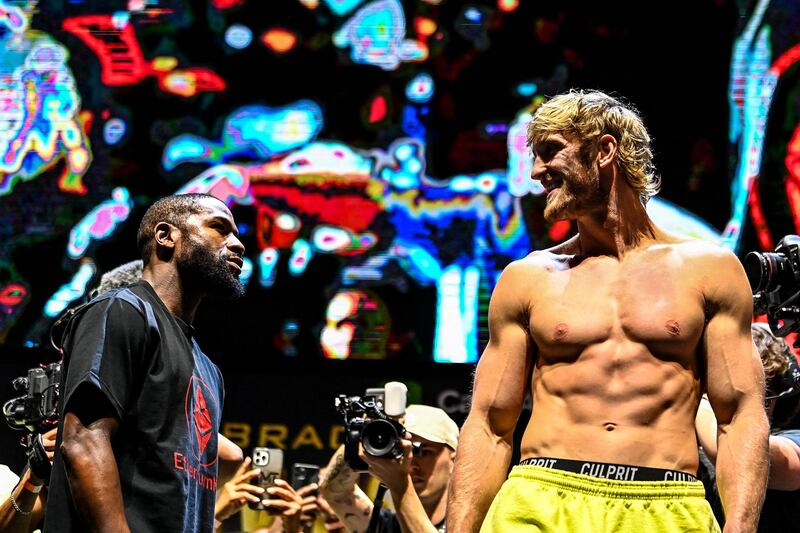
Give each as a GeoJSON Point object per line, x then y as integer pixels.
{"type": "Point", "coordinates": [766, 271]}
{"type": "Point", "coordinates": [379, 438]}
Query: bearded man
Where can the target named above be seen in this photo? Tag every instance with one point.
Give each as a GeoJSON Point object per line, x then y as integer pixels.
{"type": "Point", "coordinates": [616, 334]}
{"type": "Point", "coordinates": [140, 402]}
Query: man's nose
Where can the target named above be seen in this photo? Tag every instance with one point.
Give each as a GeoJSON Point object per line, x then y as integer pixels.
{"type": "Point", "coordinates": [235, 245]}
{"type": "Point", "coordinates": [539, 169]}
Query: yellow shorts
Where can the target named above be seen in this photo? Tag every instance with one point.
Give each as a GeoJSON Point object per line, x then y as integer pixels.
{"type": "Point", "coordinates": [535, 499]}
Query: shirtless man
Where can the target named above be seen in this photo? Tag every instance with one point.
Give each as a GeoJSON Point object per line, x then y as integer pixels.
{"type": "Point", "coordinates": [616, 333]}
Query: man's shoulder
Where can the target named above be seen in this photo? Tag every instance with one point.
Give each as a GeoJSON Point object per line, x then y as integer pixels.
{"type": "Point", "coordinates": [704, 257]}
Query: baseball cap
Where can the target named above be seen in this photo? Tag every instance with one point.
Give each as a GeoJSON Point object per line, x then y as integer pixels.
{"type": "Point", "coordinates": [431, 423]}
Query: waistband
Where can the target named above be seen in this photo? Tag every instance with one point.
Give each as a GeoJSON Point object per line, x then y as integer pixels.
{"type": "Point", "coordinates": [612, 471]}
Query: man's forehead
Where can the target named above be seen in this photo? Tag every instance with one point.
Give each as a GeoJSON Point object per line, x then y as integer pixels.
{"type": "Point", "coordinates": [213, 207]}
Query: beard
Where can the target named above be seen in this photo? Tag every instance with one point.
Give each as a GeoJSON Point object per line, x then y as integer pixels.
{"type": "Point", "coordinates": [205, 273]}
{"type": "Point", "coordinates": [578, 194]}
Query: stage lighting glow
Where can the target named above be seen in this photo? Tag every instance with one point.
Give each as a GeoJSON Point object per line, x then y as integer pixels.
{"type": "Point", "coordinates": [41, 120]}
{"type": "Point", "coordinates": [189, 82]}
{"type": "Point", "coordinates": [247, 271]}
{"type": "Point", "coordinates": [301, 255]}
{"type": "Point", "coordinates": [376, 35]}
{"type": "Point", "coordinates": [279, 40]}
{"type": "Point", "coordinates": [100, 222]}
{"type": "Point", "coordinates": [357, 325]}
{"type": "Point", "coordinates": [342, 7]}
{"type": "Point", "coordinates": [226, 182]}
{"type": "Point", "coordinates": [71, 291]}
{"type": "Point", "coordinates": [377, 110]}
{"type": "Point", "coordinates": [256, 131]}
{"type": "Point", "coordinates": [114, 130]}
{"type": "Point", "coordinates": [527, 89]}
{"type": "Point", "coordinates": [238, 36]}
{"type": "Point", "coordinates": [456, 339]}
{"type": "Point", "coordinates": [508, 5]}
{"type": "Point", "coordinates": [420, 89]}
{"type": "Point", "coordinates": [424, 27]}
{"type": "Point", "coordinates": [473, 15]}
{"type": "Point", "coordinates": [267, 261]}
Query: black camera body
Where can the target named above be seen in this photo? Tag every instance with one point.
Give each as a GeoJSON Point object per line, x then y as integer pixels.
{"type": "Point", "coordinates": [366, 423]}
{"type": "Point", "coordinates": [775, 281]}
{"type": "Point", "coordinates": [37, 410]}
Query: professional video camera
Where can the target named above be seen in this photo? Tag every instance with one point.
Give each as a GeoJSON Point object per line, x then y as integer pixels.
{"type": "Point", "coordinates": [775, 281]}
{"type": "Point", "coordinates": [37, 410]}
{"type": "Point", "coordinates": [369, 421]}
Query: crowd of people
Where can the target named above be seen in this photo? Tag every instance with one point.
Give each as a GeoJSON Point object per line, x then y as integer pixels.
{"type": "Point", "coordinates": [636, 346]}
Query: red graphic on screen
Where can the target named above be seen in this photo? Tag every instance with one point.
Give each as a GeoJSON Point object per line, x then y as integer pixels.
{"type": "Point", "coordinates": [123, 62]}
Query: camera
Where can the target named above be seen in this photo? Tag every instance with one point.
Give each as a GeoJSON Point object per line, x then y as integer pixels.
{"type": "Point", "coordinates": [37, 410]}
{"type": "Point", "coordinates": [775, 282]}
{"type": "Point", "coordinates": [368, 421]}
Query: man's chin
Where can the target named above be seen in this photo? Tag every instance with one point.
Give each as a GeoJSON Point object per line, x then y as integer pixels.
{"type": "Point", "coordinates": [554, 214]}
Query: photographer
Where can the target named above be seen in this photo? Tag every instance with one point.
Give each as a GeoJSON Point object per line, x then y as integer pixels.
{"type": "Point", "coordinates": [782, 403]}
{"type": "Point", "coordinates": [24, 498]}
{"type": "Point", "coordinates": [418, 481]}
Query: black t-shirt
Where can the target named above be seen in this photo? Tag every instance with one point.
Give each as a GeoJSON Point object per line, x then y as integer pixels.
{"type": "Point", "coordinates": [781, 511]}
{"type": "Point", "coordinates": [388, 523]}
{"type": "Point", "coordinates": [167, 396]}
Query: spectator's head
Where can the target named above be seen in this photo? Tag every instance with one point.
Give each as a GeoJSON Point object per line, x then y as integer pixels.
{"type": "Point", "coordinates": [124, 275]}
{"type": "Point", "coordinates": [780, 370]}
{"type": "Point", "coordinates": [437, 436]}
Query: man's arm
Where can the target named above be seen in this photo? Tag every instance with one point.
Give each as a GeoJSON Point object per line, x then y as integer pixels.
{"type": "Point", "coordinates": [339, 487]}
{"type": "Point", "coordinates": [784, 454]}
{"type": "Point", "coordinates": [735, 382]}
{"type": "Point", "coordinates": [396, 475]}
{"type": "Point", "coordinates": [501, 382]}
{"type": "Point", "coordinates": [90, 464]}
{"type": "Point", "coordinates": [28, 510]}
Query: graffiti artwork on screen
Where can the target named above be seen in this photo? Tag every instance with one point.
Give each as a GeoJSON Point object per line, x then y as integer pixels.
{"type": "Point", "coordinates": [375, 209]}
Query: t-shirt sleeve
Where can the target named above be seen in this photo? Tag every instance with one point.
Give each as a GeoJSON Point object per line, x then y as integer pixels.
{"type": "Point", "coordinates": [106, 350]}
{"type": "Point", "coordinates": [791, 434]}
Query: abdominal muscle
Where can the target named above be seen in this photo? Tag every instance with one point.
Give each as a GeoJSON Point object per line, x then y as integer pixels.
{"type": "Point", "coordinates": [615, 404]}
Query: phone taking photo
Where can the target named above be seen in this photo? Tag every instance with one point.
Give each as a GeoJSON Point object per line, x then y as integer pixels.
{"type": "Point", "coordinates": [303, 474]}
{"type": "Point", "coordinates": [270, 462]}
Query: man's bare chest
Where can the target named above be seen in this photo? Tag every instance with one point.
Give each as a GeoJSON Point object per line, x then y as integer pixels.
{"type": "Point", "coordinates": [658, 304]}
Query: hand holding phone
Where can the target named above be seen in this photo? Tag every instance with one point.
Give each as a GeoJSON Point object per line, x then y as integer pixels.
{"type": "Point", "coordinates": [270, 462]}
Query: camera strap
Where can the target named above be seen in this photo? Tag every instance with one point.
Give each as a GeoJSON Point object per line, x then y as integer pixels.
{"type": "Point", "coordinates": [376, 509]}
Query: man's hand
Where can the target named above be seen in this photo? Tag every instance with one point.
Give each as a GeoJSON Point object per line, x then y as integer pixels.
{"type": "Point", "coordinates": [286, 502]}
{"type": "Point", "coordinates": [310, 508]}
{"type": "Point", "coordinates": [395, 473]}
{"type": "Point", "coordinates": [49, 441]}
{"type": "Point", "coordinates": [238, 491]}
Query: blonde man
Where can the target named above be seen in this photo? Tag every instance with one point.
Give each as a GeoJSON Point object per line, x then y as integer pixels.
{"type": "Point", "coordinates": [616, 333]}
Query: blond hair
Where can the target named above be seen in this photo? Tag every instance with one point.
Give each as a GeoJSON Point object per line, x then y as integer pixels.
{"type": "Point", "coordinates": [591, 114]}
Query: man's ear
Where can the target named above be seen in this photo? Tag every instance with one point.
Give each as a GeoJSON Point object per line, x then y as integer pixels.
{"type": "Point", "coordinates": [606, 150]}
{"type": "Point", "coordinates": [165, 235]}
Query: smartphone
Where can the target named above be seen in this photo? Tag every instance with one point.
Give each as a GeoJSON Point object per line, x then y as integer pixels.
{"type": "Point", "coordinates": [303, 474]}
{"type": "Point", "coordinates": [270, 462]}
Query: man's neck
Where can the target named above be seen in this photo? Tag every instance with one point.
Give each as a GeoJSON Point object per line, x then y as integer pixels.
{"type": "Point", "coordinates": [169, 287]}
{"type": "Point", "coordinates": [619, 228]}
